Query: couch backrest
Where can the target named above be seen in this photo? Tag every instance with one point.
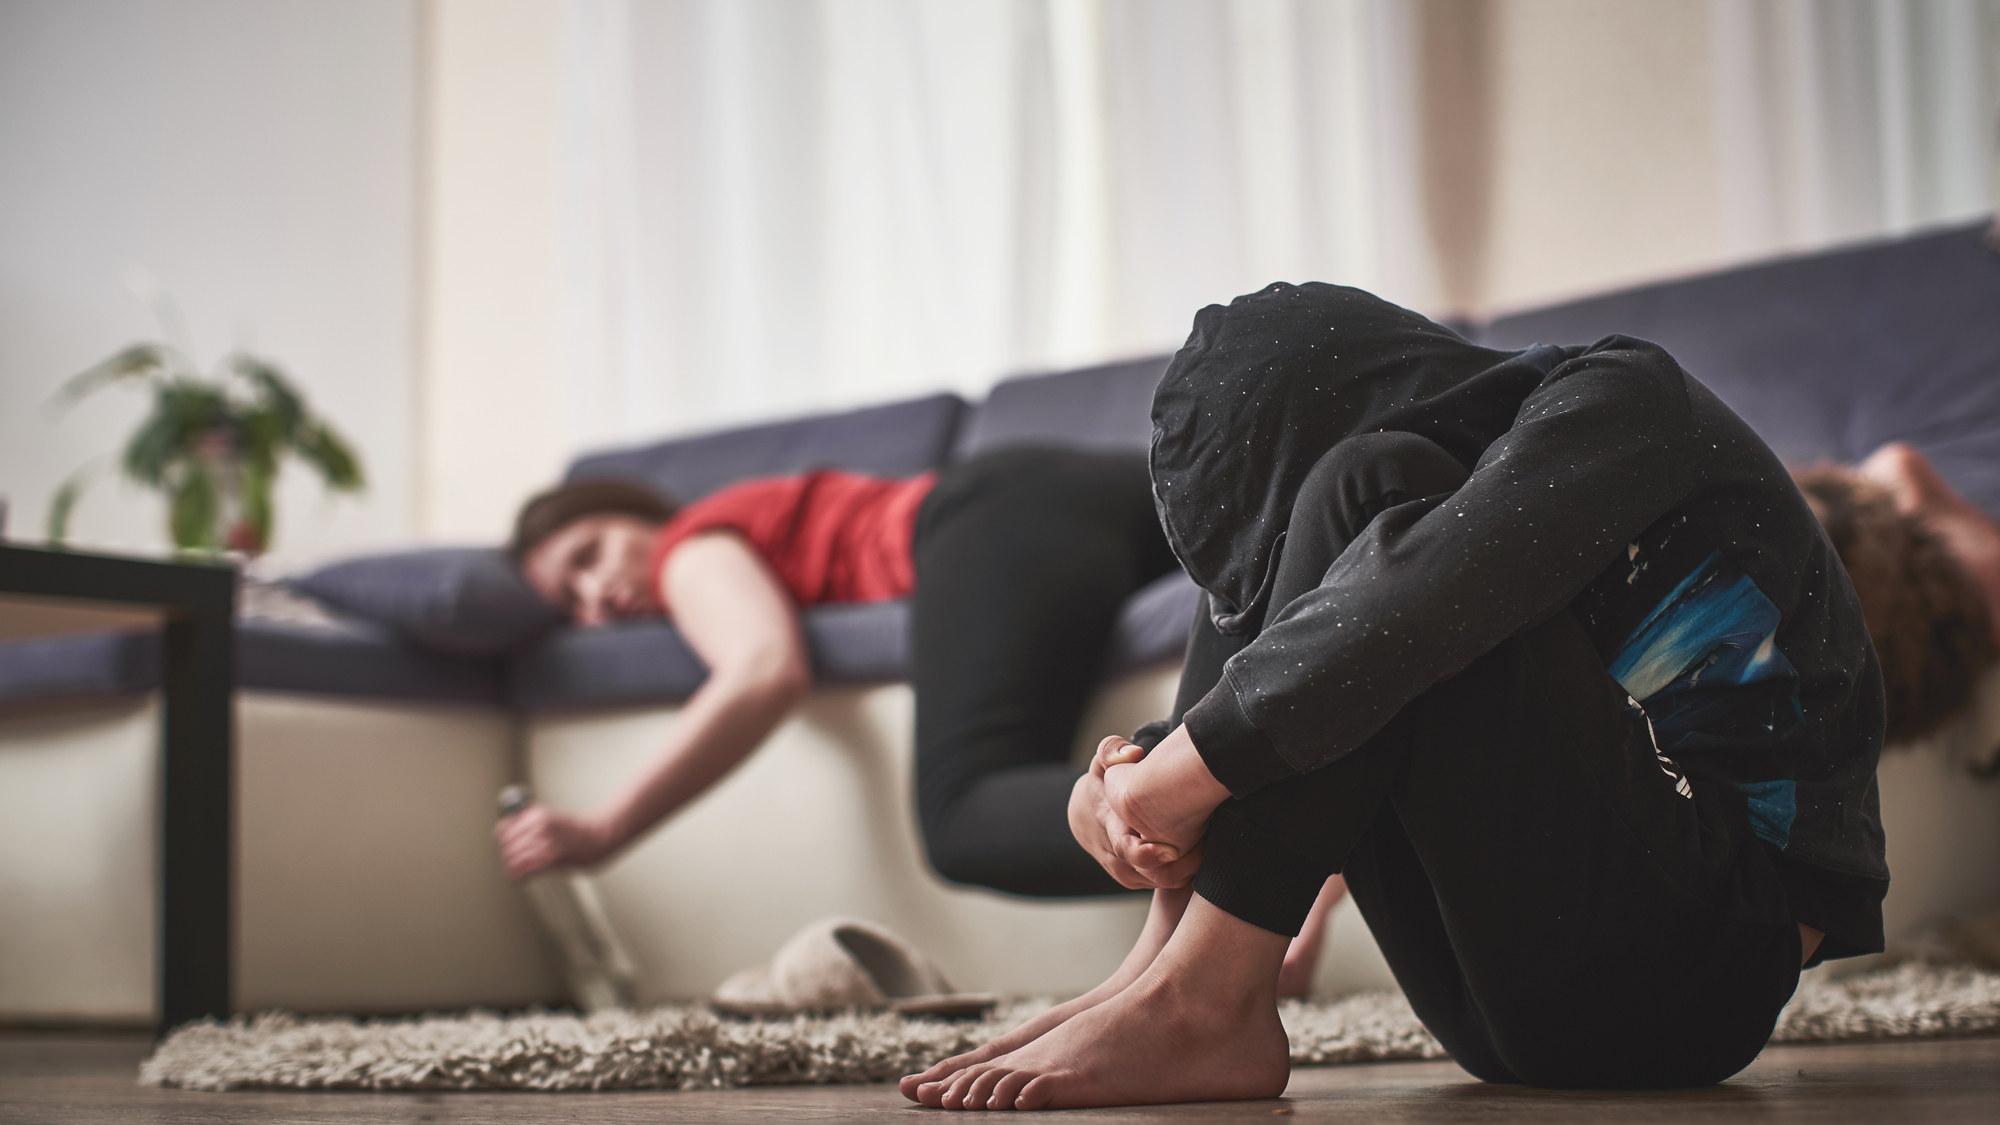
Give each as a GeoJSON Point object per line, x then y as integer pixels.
{"type": "Point", "coordinates": [1830, 355]}
{"type": "Point", "coordinates": [894, 440]}
{"type": "Point", "coordinates": [1105, 408]}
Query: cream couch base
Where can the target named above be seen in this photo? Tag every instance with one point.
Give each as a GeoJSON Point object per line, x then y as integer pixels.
{"type": "Point", "coordinates": [77, 909]}
{"type": "Point", "coordinates": [1942, 822]}
{"type": "Point", "coordinates": [817, 822]}
{"type": "Point", "coordinates": [366, 879]}
{"type": "Point", "coordinates": [820, 822]}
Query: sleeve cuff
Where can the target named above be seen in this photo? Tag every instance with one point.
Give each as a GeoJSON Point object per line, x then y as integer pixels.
{"type": "Point", "coordinates": [1238, 754]}
{"type": "Point", "coordinates": [1846, 908]}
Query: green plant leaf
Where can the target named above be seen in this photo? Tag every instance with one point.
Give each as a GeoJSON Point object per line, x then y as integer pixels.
{"type": "Point", "coordinates": [257, 510]}
{"type": "Point", "coordinates": [141, 361]}
{"type": "Point", "coordinates": [182, 413]}
{"type": "Point", "coordinates": [324, 450]}
{"type": "Point", "coordinates": [275, 393]}
{"type": "Point", "coordinates": [63, 503]}
{"type": "Point", "coordinates": [192, 508]}
{"type": "Point", "coordinates": [263, 435]}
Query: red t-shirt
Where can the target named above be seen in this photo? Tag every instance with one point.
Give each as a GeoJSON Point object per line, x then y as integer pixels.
{"type": "Point", "coordinates": [831, 536]}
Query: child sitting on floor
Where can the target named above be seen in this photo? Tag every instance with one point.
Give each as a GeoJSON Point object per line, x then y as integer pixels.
{"type": "Point", "coordinates": [1543, 651]}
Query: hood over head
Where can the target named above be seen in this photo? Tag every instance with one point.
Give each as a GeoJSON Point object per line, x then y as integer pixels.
{"type": "Point", "coordinates": [1267, 384]}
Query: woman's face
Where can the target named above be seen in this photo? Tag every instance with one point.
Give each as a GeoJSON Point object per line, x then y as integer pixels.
{"type": "Point", "coordinates": [594, 568]}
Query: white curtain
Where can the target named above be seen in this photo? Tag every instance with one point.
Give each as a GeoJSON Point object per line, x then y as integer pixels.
{"type": "Point", "coordinates": [772, 207]}
{"type": "Point", "coordinates": [1844, 119]}
{"type": "Point", "coordinates": [779, 206]}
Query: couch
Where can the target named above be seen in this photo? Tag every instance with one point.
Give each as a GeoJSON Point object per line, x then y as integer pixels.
{"type": "Point", "coordinates": [384, 700]}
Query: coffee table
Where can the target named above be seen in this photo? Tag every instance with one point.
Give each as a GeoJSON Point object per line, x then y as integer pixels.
{"type": "Point", "coordinates": [197, 748]}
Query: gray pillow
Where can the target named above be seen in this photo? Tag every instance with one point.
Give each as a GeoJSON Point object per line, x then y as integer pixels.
{"type": "Point", "coordinates": [464, 601]}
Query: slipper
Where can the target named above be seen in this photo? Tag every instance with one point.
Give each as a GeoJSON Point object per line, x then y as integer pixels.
{"type": "Point", "coordinates": [836, 964]}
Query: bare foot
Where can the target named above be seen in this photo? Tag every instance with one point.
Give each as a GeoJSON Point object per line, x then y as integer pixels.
{"type": "Point", "coordinates": [1200, 1025]}
{"type": "Point", "coordinates": [1302, 957]}
{"type": "Point", "coordinates": [1165, 914]}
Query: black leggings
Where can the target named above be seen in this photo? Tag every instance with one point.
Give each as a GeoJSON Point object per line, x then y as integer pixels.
{"type": "Point", "coordinates": [1023, 558]}
{"type": "Point", "coordinates": [1556, 912]}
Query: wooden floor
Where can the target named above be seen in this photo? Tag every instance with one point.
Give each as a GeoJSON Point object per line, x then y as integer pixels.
{"type": "Point", "coordinates": [77, 1079]}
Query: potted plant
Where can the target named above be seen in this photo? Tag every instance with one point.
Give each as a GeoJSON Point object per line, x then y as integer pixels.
{"type": "Point", "coordinates": [212, 446]}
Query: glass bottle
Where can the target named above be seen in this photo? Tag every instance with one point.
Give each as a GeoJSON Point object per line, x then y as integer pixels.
{"type": "Point", "coordinates": [600, 970]}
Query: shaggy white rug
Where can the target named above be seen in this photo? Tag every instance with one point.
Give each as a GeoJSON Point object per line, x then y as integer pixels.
{"type": "Point", "coordinates": [688, 1048]}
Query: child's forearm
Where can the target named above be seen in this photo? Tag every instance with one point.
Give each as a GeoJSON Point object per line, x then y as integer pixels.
{"type": "Point", "coordinates": [1142, 814]}
{"type": "Point", "coordinates": [1169, 794]}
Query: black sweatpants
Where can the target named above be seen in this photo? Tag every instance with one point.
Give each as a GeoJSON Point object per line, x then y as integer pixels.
{"type": "Point", "coordinates": [1556, 912]}
{"type": "Point", "coordinates": [1023, 558]}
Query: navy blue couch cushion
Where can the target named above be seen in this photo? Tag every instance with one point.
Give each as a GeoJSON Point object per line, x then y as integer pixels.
{"type": "Point", "coordinates": [353, 659]}
{"type": "Point", "coordinates": [79, 666]}
{"type": "Point", "coordinates": [358, 660]}
{"type": "Point", "coordinates": [461, 601]}
{"type": "Point", "coordinates": [638, 663]}
{"type": "Point", "coordinates": [1830, 355]}
{"type": "Point", "coordinates": [1104, 408]}
{"type": "Point", "coordinates": [631, 663]}
{"type": "Point", "coordinates": [900, 439]}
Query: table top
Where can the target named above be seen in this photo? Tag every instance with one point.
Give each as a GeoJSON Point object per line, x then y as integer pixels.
{"type": "Point", "coordinates": [179, 586]}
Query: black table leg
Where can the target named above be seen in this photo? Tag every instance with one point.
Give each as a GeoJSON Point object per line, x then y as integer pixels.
{"type": "Point", "coordinates": [197, 875]}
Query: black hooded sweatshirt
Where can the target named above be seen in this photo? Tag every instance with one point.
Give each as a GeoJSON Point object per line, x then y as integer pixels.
{"type": "Point", "coordinates": [1604, 479]}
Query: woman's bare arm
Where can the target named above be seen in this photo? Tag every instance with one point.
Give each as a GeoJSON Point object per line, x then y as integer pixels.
{"type": "Point", "coordinates": [736, 615]}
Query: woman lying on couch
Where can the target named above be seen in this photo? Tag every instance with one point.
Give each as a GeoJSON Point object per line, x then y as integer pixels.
{"type": "Point", "coordinates": [1016, 564]}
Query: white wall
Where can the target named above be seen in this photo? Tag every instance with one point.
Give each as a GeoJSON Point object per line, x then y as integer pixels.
{"type": "Point", "coordinates": [259, 158]}
{"type": "Point", "coordinates": [492, 406]}
{"type": "Point", "coordinates": [373, 192]}
{"type": "Point", "coordinates": [1605, 158]}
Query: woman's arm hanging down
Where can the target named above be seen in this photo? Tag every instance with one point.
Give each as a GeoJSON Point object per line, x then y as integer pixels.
{"type": "Point", "coordinates": [738, 618]}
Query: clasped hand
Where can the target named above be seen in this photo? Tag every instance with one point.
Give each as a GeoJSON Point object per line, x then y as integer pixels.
{"type": "Point", "coordinates": [1142, 815]}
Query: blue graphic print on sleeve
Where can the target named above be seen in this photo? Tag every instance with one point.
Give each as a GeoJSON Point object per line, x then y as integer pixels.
{"type": "Point", "coordinates": [1705, 668]}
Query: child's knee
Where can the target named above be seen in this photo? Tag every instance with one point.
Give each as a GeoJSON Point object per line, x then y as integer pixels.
{"type": "Point", "coordinates": [1374, 470]}
{"type": "Point", "coordinates": [1360, 477]}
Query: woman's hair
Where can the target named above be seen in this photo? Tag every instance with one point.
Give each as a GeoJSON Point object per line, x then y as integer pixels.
{"type": "Point", "coordinates": [1927, 618]}
{"type": "Point", "coordinates": [549, 512]}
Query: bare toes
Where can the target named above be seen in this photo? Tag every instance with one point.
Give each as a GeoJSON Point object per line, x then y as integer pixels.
{"type": "Point", "coordinates": [1007, 1091]}
{"type": "Point", "coordinates": [981, 1092]}
{"type": "Point", "coordinates": [1037, 1094]}
{"type": "Point", "coordinates": [932, 1093]}
{"type": "Point", "coordinates": [911, 1084]}
{"type": "Point", "coordinates": [954, 1093]}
